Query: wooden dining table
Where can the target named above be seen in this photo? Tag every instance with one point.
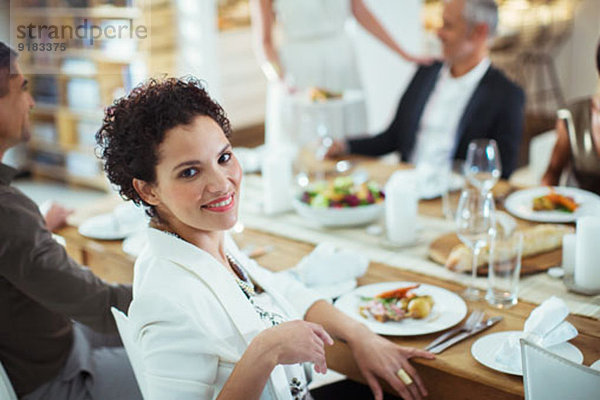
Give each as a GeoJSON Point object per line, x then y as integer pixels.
{"type": "Point", "coordinates": [454, 374]}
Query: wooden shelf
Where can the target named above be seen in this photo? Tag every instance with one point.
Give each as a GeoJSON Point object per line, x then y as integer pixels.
{"type": "Point", "coordinates": [71, 151]}
{"type": "Point", "coordinates": [79, 12]}
{"type": "Point", "coordinates": [45, 109]}
{"type": "Point", "coordinates": [59, 147]}
{"type": "Point", "coordinates": [62, 174]}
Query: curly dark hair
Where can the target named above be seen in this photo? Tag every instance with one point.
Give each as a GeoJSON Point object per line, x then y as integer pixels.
{"type": "Point", "coordinates": [8, 58]}
{"type": "Point", "coordinates": [135, 126]}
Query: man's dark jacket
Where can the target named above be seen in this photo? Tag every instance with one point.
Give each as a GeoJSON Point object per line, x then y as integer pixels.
{"type": "Point", "coordinates": [494, 111]}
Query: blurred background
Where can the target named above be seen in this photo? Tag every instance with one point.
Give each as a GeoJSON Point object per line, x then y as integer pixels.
{"type": "Point", "coordinates": [547, 46]}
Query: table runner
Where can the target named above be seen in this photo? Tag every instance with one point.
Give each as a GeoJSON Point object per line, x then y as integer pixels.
{"type": "Point", "coordinates": [533, 288]}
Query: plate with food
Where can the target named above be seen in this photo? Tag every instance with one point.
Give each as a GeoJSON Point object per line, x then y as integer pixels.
{"type": "Point", "coordinates": [340, 202]}
{"type": "Point", "coordinates": [403, 308]}
{"type": "Point", "coordinates": [317, 94]}
{"type": "Point", "coordinates": [552, 204]}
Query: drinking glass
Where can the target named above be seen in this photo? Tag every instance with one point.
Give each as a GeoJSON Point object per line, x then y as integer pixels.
{"type": "Point", "coordinates": [475, 226]}
{"type": "Point", "coordinates": [482, 166]}
{"type": "Point", "coordinates": [504, 271]}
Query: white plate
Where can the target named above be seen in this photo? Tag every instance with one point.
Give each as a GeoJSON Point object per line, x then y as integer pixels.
{"type": "Point", "coordinates": [448, 309]}
{"type": "Point", "coordinates": [485, 348]}
{"type": "Point", "coordinates": [107, 227]}
{"type": "Point", "coordinates": [520, 204]}
{"type": "Point", "coordinates": [337, 217]}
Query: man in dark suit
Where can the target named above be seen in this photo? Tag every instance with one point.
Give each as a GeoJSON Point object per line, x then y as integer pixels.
{"type": "Point", "coordinates": [446, 105]}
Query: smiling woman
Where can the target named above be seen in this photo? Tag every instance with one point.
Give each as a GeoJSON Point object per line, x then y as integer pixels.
{"type": "Point", "coordinates": [208, 321]}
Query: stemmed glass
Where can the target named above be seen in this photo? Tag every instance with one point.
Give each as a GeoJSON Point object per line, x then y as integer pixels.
{"type": "Point", "coordinates": [482, 166]}
{"type": "Point", "coordinates": [475, 227]}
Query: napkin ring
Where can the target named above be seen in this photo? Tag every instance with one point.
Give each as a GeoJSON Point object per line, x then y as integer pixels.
{"type": "Point", "coordinates": [404, 377]}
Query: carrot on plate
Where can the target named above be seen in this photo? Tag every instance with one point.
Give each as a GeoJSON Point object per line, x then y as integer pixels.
{"type": "Point", "coordinates": [397, 293]}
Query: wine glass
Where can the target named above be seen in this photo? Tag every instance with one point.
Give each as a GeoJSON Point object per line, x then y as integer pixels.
{"type": "Point", "coordinates": [482, 166]}
{"type": "Point", "coordinates": [475, 227]}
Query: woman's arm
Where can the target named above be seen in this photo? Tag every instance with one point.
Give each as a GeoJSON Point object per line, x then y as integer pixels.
{"type": "Point", "coordinates": [262, 15]}
{"type": "Point", "coordinates": [288, 343]}
{"type": "Point", "coordinates": [364, 17]}
{"type": "Point", "coordinates": [375, 356]}
{"type": "Point", "coordinates": [560, 156]}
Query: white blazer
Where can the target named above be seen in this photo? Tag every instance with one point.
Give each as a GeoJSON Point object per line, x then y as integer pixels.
{"type": "Point", "coordinates": [192, 323]}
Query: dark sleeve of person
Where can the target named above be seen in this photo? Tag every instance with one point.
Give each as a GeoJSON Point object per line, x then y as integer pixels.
{"type": "Point", "coordinates": [32, 261]}
{"type": "Point", "coordinates": [508, 129]}
{"type": "Point", "coordinates": [381, 144]}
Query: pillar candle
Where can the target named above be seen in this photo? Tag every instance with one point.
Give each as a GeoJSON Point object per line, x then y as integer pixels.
{"type": "Point", "coordinates": [587, 253]}
{"type": "Point", "coordinates": [568, 253]}
{"type": "Point", "coordinates": [401, 204]}
{"type": "Point", "coordinates": [277, 181]}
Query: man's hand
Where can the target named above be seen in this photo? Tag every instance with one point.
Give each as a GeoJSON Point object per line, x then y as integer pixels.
{"type": "Point", "coordinates": [56, 216]}
{"type": "Point", "coordinates": [338, 148]}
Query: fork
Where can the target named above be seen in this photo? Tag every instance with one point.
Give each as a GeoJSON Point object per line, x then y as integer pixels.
{"type": "Point", "coordinates": [475, 318]}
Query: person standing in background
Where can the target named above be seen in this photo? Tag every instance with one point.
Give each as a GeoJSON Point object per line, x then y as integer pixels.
{"type": "Point", "coordinates": [315, 51]}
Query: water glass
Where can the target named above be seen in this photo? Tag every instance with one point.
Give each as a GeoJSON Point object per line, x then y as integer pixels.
{"type": "Point", "coordinates": [482, 166]}
{"type": "Point", "coordinates": [504, 271]}
{"type": "Point", "coordinates": [475, 227]}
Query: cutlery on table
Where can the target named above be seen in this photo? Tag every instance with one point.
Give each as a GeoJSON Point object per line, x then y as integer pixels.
{"type": "Point", "coordinates": [472, 321]}
{"type": "Point", "coordinates": [462, 336]}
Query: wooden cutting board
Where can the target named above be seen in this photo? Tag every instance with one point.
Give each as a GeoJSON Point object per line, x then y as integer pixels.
{"type": "Point", "coordinates": [440, 249]}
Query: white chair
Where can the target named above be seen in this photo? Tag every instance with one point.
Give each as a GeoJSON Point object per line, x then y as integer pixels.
{"type": "Point", "coordinates": [6, 390]}
{"type": "Point", "coordinates": [540, 153]}
{"type": "Point", "coordinates": [130, 347]}
{"type": "Point", "coordinates": [547, 376]}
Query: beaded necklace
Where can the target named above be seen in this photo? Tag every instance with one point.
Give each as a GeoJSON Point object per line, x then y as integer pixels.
{"type": "Point", "coordinates": [241, 277]}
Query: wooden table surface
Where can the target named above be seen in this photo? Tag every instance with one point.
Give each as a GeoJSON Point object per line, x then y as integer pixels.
{"type": "Point", "coordinates": [454, 374]}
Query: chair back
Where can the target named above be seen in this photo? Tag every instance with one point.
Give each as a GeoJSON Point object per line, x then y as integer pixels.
{"type": "Point", "coordinates": [6, 390]}
{"type": "Point", "coordinates": [540, 153]}
{"type": "Point", "coordinates": [130, 347]}
{"type": "Point", "coordinates": [547, 376]}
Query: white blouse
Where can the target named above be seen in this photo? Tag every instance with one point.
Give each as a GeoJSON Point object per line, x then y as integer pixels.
{"type": "Point", "coordinates": [191, 322]}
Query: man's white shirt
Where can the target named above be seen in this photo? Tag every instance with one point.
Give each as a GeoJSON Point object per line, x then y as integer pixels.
{"type": "Point", "coordinates": [436, 136]}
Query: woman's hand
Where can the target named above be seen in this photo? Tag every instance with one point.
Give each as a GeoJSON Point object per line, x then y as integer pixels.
{"type": "Point", "coordinates": [297, 342]}
{"type": "Point", "coordinates": [421, 60]}
{"type": "Point", "coordinates": [378, 357]}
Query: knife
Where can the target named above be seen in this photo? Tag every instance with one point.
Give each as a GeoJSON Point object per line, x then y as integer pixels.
{"type": "Point", "coordinates": [462, 336]}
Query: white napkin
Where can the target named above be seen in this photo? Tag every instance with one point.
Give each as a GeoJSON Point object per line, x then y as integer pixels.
{"type": "Point", "coordinates": [327, 265]}
{"type": "Point", "coordinates": [545, 327]}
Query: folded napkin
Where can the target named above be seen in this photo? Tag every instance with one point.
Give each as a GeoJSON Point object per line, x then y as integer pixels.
{"type": "Point", "coordinates": [327, 265]}
{"type": "Point", "coordinates": [545, 326]}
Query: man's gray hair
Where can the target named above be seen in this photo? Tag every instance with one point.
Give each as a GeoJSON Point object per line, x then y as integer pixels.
{"type": "Point", "coordinates": [482, 12]}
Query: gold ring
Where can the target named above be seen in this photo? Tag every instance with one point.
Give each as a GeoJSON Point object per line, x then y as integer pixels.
{"type": "Point", "coordinates": [404, 377]}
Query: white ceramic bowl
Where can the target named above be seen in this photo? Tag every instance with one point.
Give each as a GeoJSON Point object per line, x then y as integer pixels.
{"type": "Point", "coordinates": [337, 217]}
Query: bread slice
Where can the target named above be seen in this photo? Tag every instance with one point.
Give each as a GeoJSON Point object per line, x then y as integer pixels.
{"type": "Point", "coordinates": [536, 240]}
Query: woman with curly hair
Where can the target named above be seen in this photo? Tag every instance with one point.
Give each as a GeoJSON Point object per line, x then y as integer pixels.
{"type": "Point", "coordinates": [208, 321]}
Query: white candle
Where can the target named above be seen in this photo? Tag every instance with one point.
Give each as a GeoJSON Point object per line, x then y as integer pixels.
{"type": "Point", "coordinates": [277, 181]}
{"type": "Point", "coordinates": [587, 253]}
{"type": "Point", "coordinates": [401, 206]}
{"type": "Point", "coordinates": [568, 253]}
